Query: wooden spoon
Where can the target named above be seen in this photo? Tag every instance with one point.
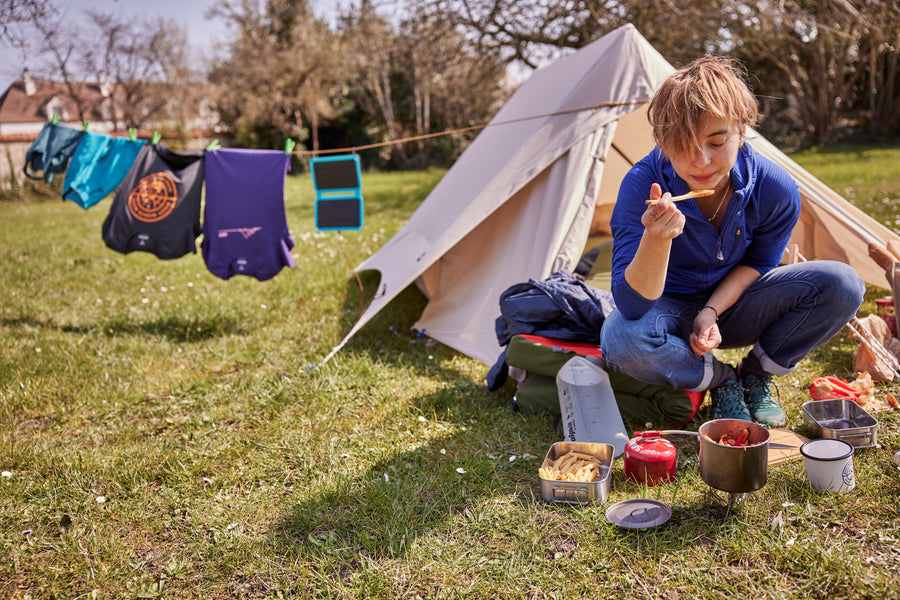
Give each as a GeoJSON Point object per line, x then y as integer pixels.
{"type": "Point", "coordinates": [691, 194]}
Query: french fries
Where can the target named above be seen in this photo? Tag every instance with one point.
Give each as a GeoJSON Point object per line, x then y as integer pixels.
{"type": "Point", "coordinates": [572, 466]}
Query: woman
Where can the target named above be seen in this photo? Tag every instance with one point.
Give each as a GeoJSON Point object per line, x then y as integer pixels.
{"type": "Point", "coordinates": [699, 274]}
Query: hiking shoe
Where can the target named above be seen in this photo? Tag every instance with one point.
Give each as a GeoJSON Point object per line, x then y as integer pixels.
{"type": "Point", "coordinates": [728, 402]}
{"type": "Point", "coordinates": [762, 405]}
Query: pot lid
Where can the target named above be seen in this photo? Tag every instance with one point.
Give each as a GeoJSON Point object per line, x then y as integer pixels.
{"type": "Point", "coordinates": [638, 513]}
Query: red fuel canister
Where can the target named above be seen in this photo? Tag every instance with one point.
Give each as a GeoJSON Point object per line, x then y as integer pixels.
{"type": "Point", "coordinates": [650, 459]}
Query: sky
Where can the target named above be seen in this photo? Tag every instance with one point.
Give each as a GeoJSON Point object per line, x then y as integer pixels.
{"type": "Point", "coordinates": [203, 33]}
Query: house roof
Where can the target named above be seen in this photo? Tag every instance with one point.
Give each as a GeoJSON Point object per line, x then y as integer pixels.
{"type": "Point", "coordinates": [17, 106]}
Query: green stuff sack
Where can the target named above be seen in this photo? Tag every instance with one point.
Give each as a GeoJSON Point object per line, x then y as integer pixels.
{"type": "Point", "coordinates": [642, 405]}
{"type": "Point", "coordinates": [537, 395]}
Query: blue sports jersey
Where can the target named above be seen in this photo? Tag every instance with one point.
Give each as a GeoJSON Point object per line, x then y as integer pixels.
{"type": "Point", "coordinates": [98, 166]}
{"type": "Point", "coordinates": [51, 151]}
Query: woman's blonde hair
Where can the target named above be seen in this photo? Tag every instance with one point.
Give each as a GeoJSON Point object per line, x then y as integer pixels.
{"type": "Point", "coordinates": [711, 85]}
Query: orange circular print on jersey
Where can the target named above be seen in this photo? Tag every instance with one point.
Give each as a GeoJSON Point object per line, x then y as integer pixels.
{"type": "Point", "coordinates": [153, 198]}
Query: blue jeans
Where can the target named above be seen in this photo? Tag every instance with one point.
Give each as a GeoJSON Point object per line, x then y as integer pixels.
{"type": "Point", "coordinates": [784, 315]}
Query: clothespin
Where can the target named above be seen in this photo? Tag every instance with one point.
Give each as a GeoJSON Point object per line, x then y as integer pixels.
{"type": "Point", "coordinates": [213, 145]}
{"type": "Point", "coordinates": [156, 137]}
{"type": "Point", "coordinates": [55, 119]}
{"type": "Point", "coordinates": [85, 124]}
{"type": "Point", "coordinates": [289, 145]}
{"type": "Point", "coordinates": [132, 133]}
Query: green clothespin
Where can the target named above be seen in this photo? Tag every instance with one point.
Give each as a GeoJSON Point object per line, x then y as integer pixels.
{"type": "Point", "coordinates": [156, 137]}
{"type": "Point", "coordinates": [132, 133]}
{"type": "Point", "coordinates": [55, 119]}
{"type": "Point", "coordinates": [289, 145]}
{"type": "Point", "coordinates": [85, 124]}
{"type": "Point", "coordinates": [213, 145]}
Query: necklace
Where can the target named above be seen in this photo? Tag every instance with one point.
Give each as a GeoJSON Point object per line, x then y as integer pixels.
{"type": "Point", "coordinates": [725, 194]}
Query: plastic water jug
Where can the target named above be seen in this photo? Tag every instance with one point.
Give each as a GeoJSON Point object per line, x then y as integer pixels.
{"type": "Point", "coordinates": [588, 405]}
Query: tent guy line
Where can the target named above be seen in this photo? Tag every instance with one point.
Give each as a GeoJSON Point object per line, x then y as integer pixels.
{"type": "Point", "coordinates": [426, 136]}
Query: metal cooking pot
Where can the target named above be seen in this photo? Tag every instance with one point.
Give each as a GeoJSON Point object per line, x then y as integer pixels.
{"type": "Point", "coordinates": [733, 469]}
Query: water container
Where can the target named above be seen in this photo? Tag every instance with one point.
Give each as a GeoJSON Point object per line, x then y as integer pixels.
{"type": "Point", "coordinates": [588, 405]}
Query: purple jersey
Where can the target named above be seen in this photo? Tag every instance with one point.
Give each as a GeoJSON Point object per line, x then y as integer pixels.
{"type": "Point", "coordinates": [245, 229]}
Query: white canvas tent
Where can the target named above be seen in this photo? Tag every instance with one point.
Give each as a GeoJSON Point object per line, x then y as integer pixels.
{"type": "Point", "coordinates": [518, 203]}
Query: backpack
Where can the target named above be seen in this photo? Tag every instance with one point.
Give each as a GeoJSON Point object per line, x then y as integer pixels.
{"type": "Point", "coordinates": [642, 405]}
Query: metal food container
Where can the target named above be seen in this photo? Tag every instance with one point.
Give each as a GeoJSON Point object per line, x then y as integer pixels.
{"type": "Point", "coordinates": [579, 492]}
{"type": "Point", "coordinates": [842, 419]}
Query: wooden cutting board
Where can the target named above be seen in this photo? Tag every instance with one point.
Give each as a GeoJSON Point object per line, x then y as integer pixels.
{"type": "Point", "coordinates": [785, 437]}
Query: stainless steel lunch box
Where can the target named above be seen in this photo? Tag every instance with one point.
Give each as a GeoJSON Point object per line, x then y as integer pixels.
{"type": "Point", "coordinates": [578, 492]}
{"type": "Point", "coordinates": [842, 419]}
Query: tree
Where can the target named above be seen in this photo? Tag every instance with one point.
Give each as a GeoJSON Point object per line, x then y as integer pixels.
{"type": "Point", "coordinates": [146, 68]}
{"type": "Point", "coordinates": [818, 64]}
{"type": "Point", "coordinates": [453, 86]}
{"type": "Point", "coordinates": [418, 76]}
{"type": "Point", "coordinates": [880, 63]}
{"type": "Point", "coordinates": [280, 75]}
{"type": "Point", "coordinates": [15, 15]}
{"type": "Point", "coordinates": [372, 48]}
{"type": "Point", "coordinates": [139, 71]}
{"type": "Point", "coordinates": [535, 31]}
{"type": "Point", "coordinates": [812, 47]}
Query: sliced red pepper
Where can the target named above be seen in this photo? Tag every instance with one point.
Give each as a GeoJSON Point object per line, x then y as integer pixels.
{"type": "Point", "coordinates": [740, 440]}
{"type": "Point", "coordinates": [824, 388]}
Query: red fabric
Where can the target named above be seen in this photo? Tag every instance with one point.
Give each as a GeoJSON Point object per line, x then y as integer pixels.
{"type": "Point", "coordinates": [577, 347]}
{"type": "Point", "coordinates": [587, 349]}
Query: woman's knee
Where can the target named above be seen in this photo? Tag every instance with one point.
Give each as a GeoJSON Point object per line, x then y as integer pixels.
{"type": "Point", "coordinates": [623, 340]}
{"type": "Point", "coordinates": [844, 287]}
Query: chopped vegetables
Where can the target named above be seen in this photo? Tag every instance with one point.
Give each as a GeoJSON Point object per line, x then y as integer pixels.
{"type": "Point", "coordinates": [824, 388]}
{"type": "Point", "coordinates": [742, 439]}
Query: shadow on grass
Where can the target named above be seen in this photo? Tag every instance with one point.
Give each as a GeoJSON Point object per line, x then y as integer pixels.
{"type": "Point", "coordinates": [388, 337]}
{"type": "Point", "coordinates": [446, 486]}
{"type": "Point", "coordinates": [381, 512]}
{"type": "Point", "coordinates": [175, 329]}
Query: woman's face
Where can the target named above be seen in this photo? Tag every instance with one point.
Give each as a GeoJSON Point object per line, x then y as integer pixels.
{"type": "Point", "coordinates": [708, 167]}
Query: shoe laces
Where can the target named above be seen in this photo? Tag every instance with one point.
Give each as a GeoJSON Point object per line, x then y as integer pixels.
{"type": "Point", "coordinates": [759, 391]}
{"type": "Point", "coordinates": [729, 398]}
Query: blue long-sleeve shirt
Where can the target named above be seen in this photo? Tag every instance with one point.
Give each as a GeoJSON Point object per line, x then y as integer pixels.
{"type": "Point", "coordinates": [755, 229]}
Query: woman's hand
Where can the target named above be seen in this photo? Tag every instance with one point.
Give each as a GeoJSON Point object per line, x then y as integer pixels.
{"type": "Point", "coordinates": [706, 335]}
{"type": "Point", "coordinates": [662, 219]}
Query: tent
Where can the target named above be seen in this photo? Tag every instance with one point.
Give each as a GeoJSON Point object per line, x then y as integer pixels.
{"type": "Point", "coordinates": [519, 202]}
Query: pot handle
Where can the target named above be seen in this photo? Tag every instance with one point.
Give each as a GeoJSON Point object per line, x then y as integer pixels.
{"type": "Point", "coordinates": [658, 433]}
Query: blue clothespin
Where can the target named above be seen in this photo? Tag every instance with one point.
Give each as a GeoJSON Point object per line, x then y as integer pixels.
{"type": "Point", "coordinates": [132, 134]}
{"type": "Point", "coordinates": [156, 137]}
{"type": "Point", "coordinates": [289, 145]}
{"type": "Point", "coordinates": [213, 145]}
{"type": "Point", "coordinates": [55, 119]}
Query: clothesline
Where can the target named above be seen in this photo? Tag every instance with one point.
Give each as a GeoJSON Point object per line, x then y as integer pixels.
{"type": "Point", "coordinates": [425, 136]}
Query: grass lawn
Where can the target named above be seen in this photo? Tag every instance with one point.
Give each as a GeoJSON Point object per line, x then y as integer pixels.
{"type": "Point", "coordinates": [164, 434]}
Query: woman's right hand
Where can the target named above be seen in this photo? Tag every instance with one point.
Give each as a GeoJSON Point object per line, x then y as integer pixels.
{"type": "Point", "coordinates": [663, 219]}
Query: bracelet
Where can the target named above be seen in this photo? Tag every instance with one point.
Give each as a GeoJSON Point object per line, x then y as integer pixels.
{"type": "Point", "coordinates": [715, 312]}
